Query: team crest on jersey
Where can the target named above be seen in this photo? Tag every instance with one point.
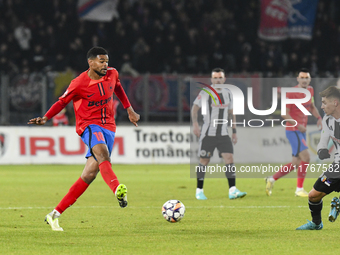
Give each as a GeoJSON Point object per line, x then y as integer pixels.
{"type": "Point", "coordinates": [325, 180]}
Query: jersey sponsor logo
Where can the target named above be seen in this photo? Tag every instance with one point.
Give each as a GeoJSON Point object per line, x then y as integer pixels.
{"type": "Point", "coordinates": [90, 95]}
{"type": "Point", "coordinates": [101, 102]}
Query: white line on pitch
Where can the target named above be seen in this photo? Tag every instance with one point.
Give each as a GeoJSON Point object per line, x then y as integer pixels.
{"type": "Point", "coordinates": [157, 207]}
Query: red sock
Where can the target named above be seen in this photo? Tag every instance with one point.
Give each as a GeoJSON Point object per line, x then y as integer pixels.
{"type": "Point", "coordinates": [76, 190]}
{"type": "Point", "coordinates": [301, 173]}
{"type": "Point", "coordinates": [108, 175]}
{"type": "Point", "coordinates": [283, 171]}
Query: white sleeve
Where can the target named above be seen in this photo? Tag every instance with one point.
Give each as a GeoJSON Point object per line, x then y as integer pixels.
{"type": "Point", "coordinates": [325, 135]}
{"type": "Point", "coordinates": [231, 100]}
{"type": "Point", "coordinates": [198, 100]}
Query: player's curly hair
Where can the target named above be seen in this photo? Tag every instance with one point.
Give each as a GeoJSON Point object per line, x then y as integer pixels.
{"type": "Point", "coordinates": [95, 51]}
{"type": "Point", "coordinates": [331, 92]}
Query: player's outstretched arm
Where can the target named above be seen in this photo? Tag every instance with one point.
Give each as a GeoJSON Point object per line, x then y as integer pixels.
{"type": "Point", "coordinates": [38, 121]}
{"type": "Point", "coordinates": [133, 116]}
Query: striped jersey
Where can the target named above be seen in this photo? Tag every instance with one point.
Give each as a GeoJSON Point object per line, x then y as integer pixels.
{"type": "Point", "coordinates": [215, 119]}
{"type": "Point", "coordinates": [330, 130]}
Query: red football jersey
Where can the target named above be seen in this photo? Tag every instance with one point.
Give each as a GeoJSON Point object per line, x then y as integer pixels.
{"type": "Point", "coordinates": [93, 100]}
{"type": "Point", "coordinates": [295, 112]}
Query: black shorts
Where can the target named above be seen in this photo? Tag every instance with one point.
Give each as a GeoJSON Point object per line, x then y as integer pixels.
{"type": "Point", "coordinates": [329, 181]}
{"type": "Point", "coordinates": [209, 143]}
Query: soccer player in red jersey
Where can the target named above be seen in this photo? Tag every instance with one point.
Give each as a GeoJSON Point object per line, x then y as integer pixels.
{"type": "Point", "coordinates": [296, 134]}
{"type": "Point", "coordinates": [92, 95]}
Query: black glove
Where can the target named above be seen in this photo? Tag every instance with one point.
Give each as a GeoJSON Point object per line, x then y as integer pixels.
{"type": "Point", "coordinates": [323, 153]}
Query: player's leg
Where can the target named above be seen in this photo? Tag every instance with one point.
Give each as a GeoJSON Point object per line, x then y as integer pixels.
{"type": "Point", "coordinates": [206, 149]}
{"type": "Point", "coordinates": [231, 176]}
{"type": "Point", "coordinates": [301, 173]}
{"type": "Point", "coordinates": [77, 189]}
{"type": "Point", "coordinates": [294, 141]}
{"type": "Point", "coordinates": [285, 169]}
{"type": "Point", "coordinates": [226, 150]}
{"type": "Point", "coordinates": [100, 141]}
{"type": "Point", "coordinates": [322, 187]}
{"type": "Point", "coordinates": [328, 182]}
{"type": "Point", "coordinates": [335, 203]}
{"type": "Point", "coordinates": [315, 207]}
{"type": "Point", "coordinates": [102, 154]}
{"type": "Point", "coordinates": [200, 178]}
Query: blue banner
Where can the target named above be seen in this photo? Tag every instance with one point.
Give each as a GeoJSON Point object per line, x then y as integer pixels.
{"type": "Point", "coordinates": [301, 19]}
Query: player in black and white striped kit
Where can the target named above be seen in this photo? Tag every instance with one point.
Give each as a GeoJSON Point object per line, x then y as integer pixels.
{"type": "Point", "coordinates": [329, 181]}
{"type": "Point", "coordinates": [214, 135]}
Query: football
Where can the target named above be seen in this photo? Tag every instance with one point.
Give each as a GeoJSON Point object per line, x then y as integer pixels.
{"type": "Point", "coordinates": [173, 210]}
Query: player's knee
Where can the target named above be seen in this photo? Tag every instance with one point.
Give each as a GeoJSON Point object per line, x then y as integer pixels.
{"type": "Point", "coordinates": [103, 157]}
{"type": "Point", "coordinates": [89, 177]}
{"type": "Point", "coordinates": [296, 162]}
{"type": "Point", "coordinates": [204, 161]}
{"type": "Point", "coordinates": [304, 156]}
{"type": "Point", "coordinates": [315, 196]}
{"type": "Point", "coordinates": [229, 159]}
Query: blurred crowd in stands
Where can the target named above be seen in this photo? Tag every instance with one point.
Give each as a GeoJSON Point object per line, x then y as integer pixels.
{"type": "Point", "coordinates": [172, 36]}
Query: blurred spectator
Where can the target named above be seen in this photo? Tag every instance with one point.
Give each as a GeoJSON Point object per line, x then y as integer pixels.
{"type": "Point", "coordinates": [127, 68]}
{"type": "Point", "coordinates": [23, 35]}
{"type": "Point", "coordinates": [152, 33]}
{"type": "Point", "coordinates": [334, 66]}
{"type": "Point", "coordinates": [293, 62]}
{"type": "Point", "coordinates": [141, 52]}
{"type": "Point", "coordinates": [38, 58]}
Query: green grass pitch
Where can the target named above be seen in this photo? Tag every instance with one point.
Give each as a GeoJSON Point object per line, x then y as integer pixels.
{"type": "Point", "coordinates": [95, 224]}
